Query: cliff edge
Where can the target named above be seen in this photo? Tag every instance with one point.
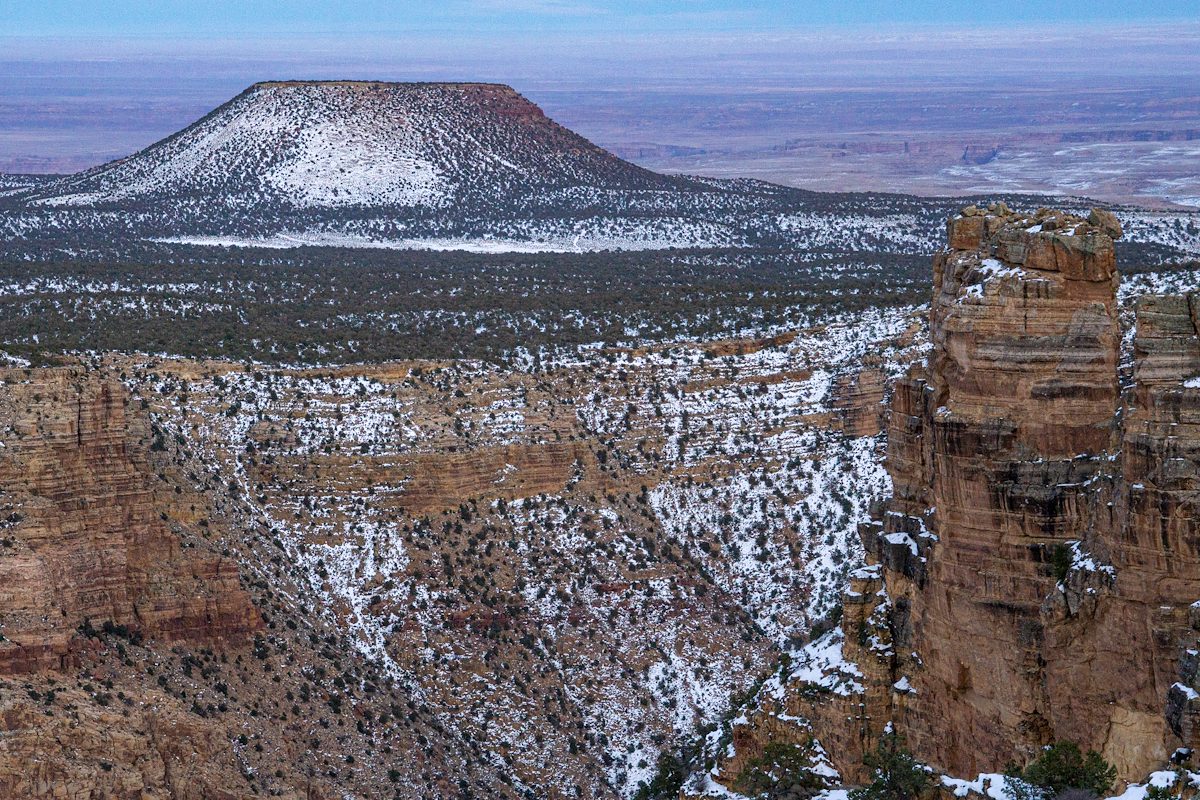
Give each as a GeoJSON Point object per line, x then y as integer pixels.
{"type": "Point", "coordinates": [1035, 575]}
{"type": "Point", "coordinates": [1040, 552]}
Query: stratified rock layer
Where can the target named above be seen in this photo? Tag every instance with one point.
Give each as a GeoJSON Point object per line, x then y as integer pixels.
{"type": "Point", "coordinates": [1040, 550]}
{"type": "Point", "coordinates": [82, 541]}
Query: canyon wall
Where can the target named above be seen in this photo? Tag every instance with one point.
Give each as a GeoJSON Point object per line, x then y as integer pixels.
{"type": "Point", "coordinates": [83, 541]}
{"type": "Point", "coordinates": [1040, 550]}
{"type": "Point", "coordinates": [452, 574]}
{"type": "Point", "coordinates": [153, 642]}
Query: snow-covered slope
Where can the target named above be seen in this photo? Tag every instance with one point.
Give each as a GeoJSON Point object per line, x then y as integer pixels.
{"type": "Point", "coordinates": [345, 143]}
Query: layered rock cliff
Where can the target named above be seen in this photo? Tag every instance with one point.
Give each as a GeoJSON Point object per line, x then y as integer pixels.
{"type": "Point", "coordinates": [143, 653]}
{"type": "Point", "coordinates": [1033, 578]}
{"type": "Point", "coordinates": [84, 544]}
{"type": "Point", "coordinates": [452, 578]}
{"type": "Point", "coordinates": [1039, 551]}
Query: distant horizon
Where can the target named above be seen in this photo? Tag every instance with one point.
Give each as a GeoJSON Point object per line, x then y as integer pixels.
{"type": "Point", "coordinates": [733, 101]}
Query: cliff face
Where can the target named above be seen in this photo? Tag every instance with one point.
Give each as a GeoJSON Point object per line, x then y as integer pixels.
{"type": "Point", "coordinates": [1155, 520]}
{"type": "Point", "coordinates": [136, 661]}
{"type": "Point", "coordinates": [157, 749]}
{"type": "Point", "coordinates": [1040, 549]}
{"type": "Point", "coordinates": [82, 540]}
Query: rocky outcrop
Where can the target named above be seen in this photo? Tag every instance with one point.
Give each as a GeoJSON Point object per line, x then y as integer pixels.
{"type": "Point", "coordinates": [83, 543]}
{"type": "Point", "coordinates": [158, 749]}
{"type": "Point", "coordinates": [831, 704]}
{"type": "Point", "coordinates": [1040, 550]}
{"type": "Point", "coordinates": [857, 400]}
{"type": "Point", "coordinates": [1156, 513]}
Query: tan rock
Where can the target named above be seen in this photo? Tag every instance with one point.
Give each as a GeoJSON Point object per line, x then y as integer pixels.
{"type": "Point", "coordinates": [90, 545]}
{"type": "Point", "coordinates": [1008, 452]}
{"type": "Point", "coordinates": [965, 232]}
{"type": "Point", "coordinates": [857, 400]}
{"type": "Point", "coordinates": [1106, 221]}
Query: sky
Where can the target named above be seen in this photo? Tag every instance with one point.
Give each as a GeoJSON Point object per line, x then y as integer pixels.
{"type": "Point", "coordinates": [186, 18]}
{"type": "Point", "coordinates": [85, 81]}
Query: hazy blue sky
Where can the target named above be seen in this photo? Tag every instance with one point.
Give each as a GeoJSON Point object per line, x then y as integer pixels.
{"type": "Point", "coordinates": [84, 81]}
{"type": "Point", "coordinates": [175, 17]}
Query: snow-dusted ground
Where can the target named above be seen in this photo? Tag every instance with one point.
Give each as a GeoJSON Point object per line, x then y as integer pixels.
{"type": "Point", "coordinates": [643, 610]}
{"type": "Point", "coordinates": [608, 221]}
{"type": "Point", "coordinates": [776, 526]}
{"type": "Point", "coordinates": [993, 785]}
{"type": "Point", "coordinates": [289, 240]}
{"type": "Point", "coordinates": [894, 232]}
{"type": "Point", "coordinates": [580, 243]}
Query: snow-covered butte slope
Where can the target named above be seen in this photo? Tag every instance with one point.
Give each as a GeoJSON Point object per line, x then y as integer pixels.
{"type": "Point", "coordinates": [338, 144]}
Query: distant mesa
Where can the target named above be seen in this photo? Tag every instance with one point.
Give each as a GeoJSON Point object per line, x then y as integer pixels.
{"type": "Point", "coordinates": [345, 144]}
{"type": "Point", "coordinates": [463, 167]}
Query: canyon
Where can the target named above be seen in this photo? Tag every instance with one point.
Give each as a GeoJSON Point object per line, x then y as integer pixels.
{"type": "Point", "coordinates": [441, 577]}
{"type": "Point", "coordinates": [570, 524]}
{"type": "Point", "coordinates": [423, 578]}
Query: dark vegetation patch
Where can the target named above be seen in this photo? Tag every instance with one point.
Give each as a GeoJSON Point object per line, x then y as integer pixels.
{"type": "Point", "coordinates": [336, 305]}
